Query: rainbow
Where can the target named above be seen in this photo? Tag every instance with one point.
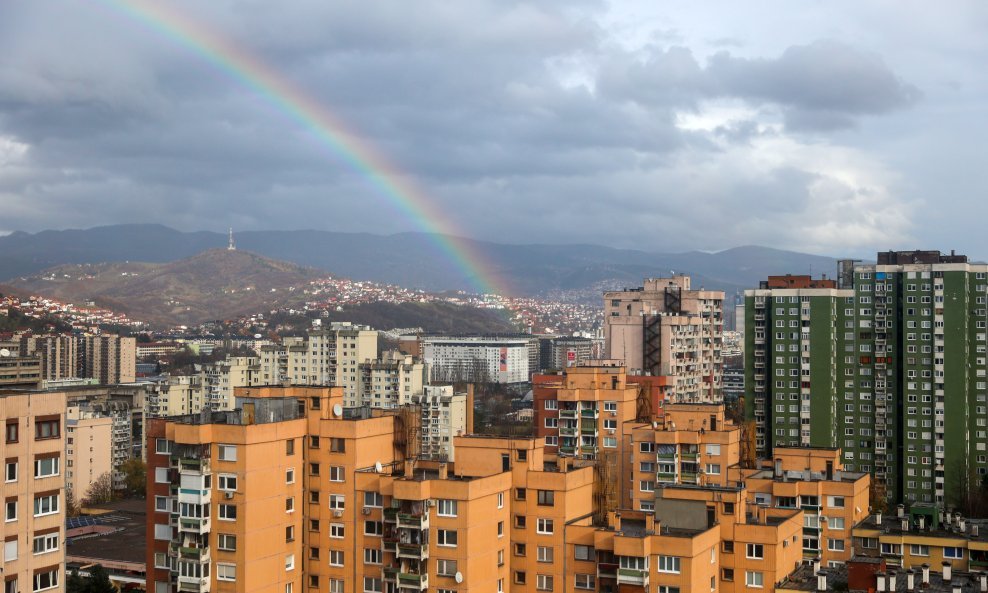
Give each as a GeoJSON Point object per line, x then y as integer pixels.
{"type": "Point", "coordinates": [330, 132]}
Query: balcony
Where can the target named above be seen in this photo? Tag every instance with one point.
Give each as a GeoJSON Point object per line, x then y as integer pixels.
{"type": "Point", "coordinates": [607, 570]}
{"type": "Point", "coordinates": [567, 431]}
{"type": "Point", "coordinates": [414, 551]}
{"type": "Point", "coordinates": [632, 576]}
{"type": "Point", "coordinates": [571, 414]}
{"type": "Point", "coordinates": [198, 554]}
{"type": "Point", "coordinates": [589, 414]}
{"type": "Point", "coordinates": [405, 579]}
{"type": "Point", "coordinates": [409, 521]}
{"type": "Point", "coordinates": [193, 584]}
{"type": "Point", "coordinates": [194, 525]}
{"type": "Point", "coordinates": [390, 515]}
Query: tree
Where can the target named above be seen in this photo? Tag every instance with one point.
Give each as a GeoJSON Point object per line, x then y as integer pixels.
{"type": "Point", "coordinates": [99, 581]}
{"type": "Point", "coordinates": [135, 477]}
{"type": "Point", "coordinates": [75, 583]}
{"type": "Point", "coordinates": [71, 504]}
{"type": "Point", "coordinates": [100, 491]}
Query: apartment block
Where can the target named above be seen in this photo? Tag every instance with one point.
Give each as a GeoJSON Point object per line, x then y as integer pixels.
{"type": "Point", "coordinates": [445, 415]}
{"type": "Point", "coordinates": [795, 361]}
{"type": "Point", "coordinates": [391, 380]}
{"type": "Point", "coordinates": [666, 328]}
{"type": "Point", "coordinates": [897, 371]}
{"type": "Point", "coordinates": [220, 379]}
{"type": "Point", "coordinates": [478, 359]}
{"type": "Point", "coordinates": [175, 395]}
{"type": "Point", "coordinates": [59, 354]}
{"type": "Point", "coordinates": [110, 359]}
{"type": "Point", "coordinates": [22, 372]}
{"type": "Point", "coordinates": [33, 491]}
{"type": "Point", "coordinates": [580, 411]}
{"type": "Point", "coordinates": [834, 501]}
{"type": "Point", "coordinates": [88, 452]}
{"type": "Point", "coordinates": [328, 356]}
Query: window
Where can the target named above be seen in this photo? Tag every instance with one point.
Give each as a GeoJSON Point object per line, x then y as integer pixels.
{"type": "Point", "coordinates": [228, 482]}
{"type": "Point", "coordinates": [336, 557]}
{"type": "Point", "coordinates": [500, 528]}
{"type": "Point", "coordinates": [585, 581]}
{"type": "Point", "coordinates": [226, 542]}
{"type": "Point", "coordinates": [290, 447]}
{"type": "Point", "coordinates": [12, 431]}
{"type": "Point", "coordinates": [373, 499]}
{"type": "Point", "coordinates": [520, 549]}
{"type": "Point", "coordinates": [226, 572]}
{"type": "Point", "coordinates": [520, 521]}
{"type": "Point", "coordinates": [713, 449]}
{"type": "Point", "coordinates": [727, 574]}
{"type": "Point", "coordinates": [551, 404]}
{"type": "Point", "coordinates": [547, 498]}
{"type": "Point", "coordinates": [754, 579]}
{"type": "Point", "coordinates": [543, 582]}
{"type": "Point", "coordinates": [447, 508]}
{"type": "Point", "coordinates": [337, 502]}
{"type": "Point", "coordinates": [373, 555]}
{"type": "Point", "coordinates": [835, 523]}
{"type": "Point", "coordinates": [161, 475]}
{"type": "Point", "coordinates": [500, 500]}
{"type": "Point", "coordinates": [290, 504]}
{"type": "Point", "coordinates": [162, 532]}
{"type": "Point", "coordinates": [835, 545]}
{"type": "Point", "coordinates": [446, 537]}
{"type": "Point", "coordinates": [10, 510]}
{"type": "Point", "coordinates": [46, 580]}
{"type": "Point", "coordinates": [290, 476]}
{"type": "Point", "coordinates": [45, 468]}
{"type": "Point", "coordinates": [336, 530]}
{"type": "Point", "coordinates": [337, 445]}
{"type": "Point", "coordinates": [10, 473]}
{"type": "Point", "coordinates": [290, 559]}
{"type": "Point", "coordinates": [337, 473]}
{"type": "Point", "coordinates": [919, 550]}
{"type": "Point", "coordinates": [373, 528]}
{"type": "Point", "coordinates": [955, 553]}
{"type": "Point", "coordinates": [162, 446]}
{"type": "Point", "coordinates": [836, 502]}
{"type": "Point", "coordinates": [46, 429]}
{"type": "Point", "coordinates": [520, 494]}
{"type": "Point", "coordinates": [755, 551]}
{"type": "Point", "coordinates": [712, 469]}
{"type": "Point", "coordinates": [10, 550]}
{"type": "Point", "coordinates": [46, 505]}
{"type": "Point", "coordinates": [372, 585]}
{"type": "Point", "coordinates": [314, 442]}
{"type": "Point", "coordinates": [669, 564]}
{"type": "Point", "coordinates": [290, 533]}
{"type": "Point", "coordinates": [227, 452]}
{"type": "Point", "coordinates": [544, 527]}
{"type": "Point", "coordinates": [45, 543]}
{"type": "Point", "coordinates": [545, 554]}
{"type": "Point", "coordinates": [228, 512]}
{"type": "Point", "coordinates": [446, 568]}
{"type": "Point", "coordinates": [520, 577]}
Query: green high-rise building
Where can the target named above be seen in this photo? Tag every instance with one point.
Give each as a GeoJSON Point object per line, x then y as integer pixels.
{"type": "Point", "coordinates": [896, 371]}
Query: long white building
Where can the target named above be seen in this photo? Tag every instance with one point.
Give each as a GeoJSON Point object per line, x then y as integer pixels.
{"type": "Point", "coordinates": [477, 358]}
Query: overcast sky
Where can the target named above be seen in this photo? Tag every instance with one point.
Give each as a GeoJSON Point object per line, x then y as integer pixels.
{"type": "Point", "coordinates": [823, 126]}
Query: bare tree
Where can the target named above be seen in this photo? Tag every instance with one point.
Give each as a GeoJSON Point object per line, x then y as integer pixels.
{"type": "Point", "coordinates": [71, 504]}
{"type": "Point", "coordinates": [100, 491]}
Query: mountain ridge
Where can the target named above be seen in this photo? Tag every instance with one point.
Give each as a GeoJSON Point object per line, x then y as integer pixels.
{"type": "Point", "coordinates": [409, 259]}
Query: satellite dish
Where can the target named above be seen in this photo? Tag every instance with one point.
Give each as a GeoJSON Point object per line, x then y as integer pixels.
{"type": "Point", "coordinates": [337, 410]}
{"type": "Point", "coordinates": [458, 577]}
{"type": "Point", "coordinates": [378, 467]}
{"type": "Point", "coordinates": [4, 352]}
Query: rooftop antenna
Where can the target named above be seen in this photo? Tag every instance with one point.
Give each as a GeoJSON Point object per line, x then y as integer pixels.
{"type": "Point", "coordinates": [231, 246]}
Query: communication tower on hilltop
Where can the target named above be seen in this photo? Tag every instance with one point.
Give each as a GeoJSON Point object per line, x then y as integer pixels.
{"type": "Point", "coordinates": [231, 246]}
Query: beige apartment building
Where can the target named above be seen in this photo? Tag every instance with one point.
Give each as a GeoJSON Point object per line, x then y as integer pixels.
{"type": "Point", "coordinates": [326, 356]}
{"type": "Point", "coordinates": [220, 379]}
{"type": "Point", "coordinates": [20, 371]}
{"type": "Point", "coordinates": [33, 491]}
{"type": "Point", "coordinates": [59, 354]}
{"type": "Point", "coordinates": [110, 359]}
{"type": "Point", "coordinates": [391, 380]}
{"type": "Point", "coordinates": [665, 328]}
{"type": "Point", "coordinates": [88, 451]}
{"type": "Point", "coordinates": [445, 415]}
{"type": "Point", "coordinates": [176, 395]}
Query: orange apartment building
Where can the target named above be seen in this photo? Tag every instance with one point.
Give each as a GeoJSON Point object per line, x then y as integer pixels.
{"type": "Point", "coordinates": [323, 501]}
{"type": "Point", "coordinates": [33, 491]}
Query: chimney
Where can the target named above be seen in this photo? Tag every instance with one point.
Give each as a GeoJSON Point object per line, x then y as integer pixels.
{"type": "Point", "coordinates": [926, 573]}
{"type": "Point", "coordinates": [974, 530]}
{"type": "Point", "coordinates": [957, 589]}
{"type": "Point", "coordinates": [837, 475]}
{"type": "Point", "coordinates": [900, 510]}
{"type": "Point", "coordinates": [910, 580]}
{"type": "Point", "coordinates": [830, 470]}
{"type": "Point", "coordinates": [816, 564]}
{"type": "Point", "coordinates": [892, 581]}
{"type": "Point", "coordinates": [821, 581]}
{"type": "Point", "coordinates": [778, 468]}
{"type": "Point", "coordinates": [880, 582]}
{"type": "Point", "coordinates": [961, 523]}
{"type": "Point", "coordinates": [922, 522]}
{"type": "Point", "coordinates": [443, 471]}
{"type": "Point", "coordinates": [878, 518]}
{"type": "Point", "coordinates": [806, 475]}
{"type": "Point", "coordinates": [947, 572]}
{"type": "Point", "coordinates": [905, 524]}
{"type": "Point", "coordinates": [983, 582]}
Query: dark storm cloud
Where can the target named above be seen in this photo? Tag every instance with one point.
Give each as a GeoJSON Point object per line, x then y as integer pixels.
{"type": "Point", "coordinates": [508, 114]}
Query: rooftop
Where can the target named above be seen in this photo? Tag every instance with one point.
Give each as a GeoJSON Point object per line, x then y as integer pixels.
{"type": "Point", "coordinates": [263, 410]}
{"type": "Point", "coordinates": [120, 537]}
